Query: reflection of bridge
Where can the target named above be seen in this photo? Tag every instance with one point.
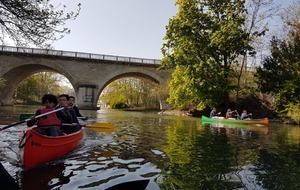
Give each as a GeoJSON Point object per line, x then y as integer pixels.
{"type": "Point", "coordinates": [88, 73]}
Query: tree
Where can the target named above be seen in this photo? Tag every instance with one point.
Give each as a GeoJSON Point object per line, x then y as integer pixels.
{"type": "Point", "coordinates": [277, 68]}
{"type": "Point", "coordinates": [280, 72]}
{"type": "Point", "coordinates": [27, 90]}
{"type": "Point", "coordinates": [203, 42]}
{"type": "Point", "coordinates": [256, 25]}
{"type": "Point", "coordinates": [35, 86]}
{"type": "Point", "coordinates": [130, 92]}
{"type": "Point", "coordinates": [33, 22]}
{"type": "Point", "coordinates": [290, 18]}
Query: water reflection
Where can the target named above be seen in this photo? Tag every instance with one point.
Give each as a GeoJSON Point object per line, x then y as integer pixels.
{"type": "Point", "coordinates": [229, 158]}
{"type": "Point", "coordinates": [172, 152]}
{"type": "Point", "coordinates": [44, 177]}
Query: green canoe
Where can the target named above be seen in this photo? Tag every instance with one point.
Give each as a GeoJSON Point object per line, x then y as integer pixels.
{"type": "Point", "coordinates": [263, 121]}
{"type": "Point", "coordinates": [24, 116]}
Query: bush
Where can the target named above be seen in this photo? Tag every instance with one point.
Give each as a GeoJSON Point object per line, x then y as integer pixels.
{"type": "Point", "coordinates": [293, 112]}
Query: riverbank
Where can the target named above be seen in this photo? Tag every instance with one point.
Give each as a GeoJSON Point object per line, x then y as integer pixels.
{"type": "Point", "coordinates": [175, 112]}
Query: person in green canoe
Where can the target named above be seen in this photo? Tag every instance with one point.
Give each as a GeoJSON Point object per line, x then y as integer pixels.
{"type": "Point", "coordinates": [214, 113]}
{"type": "Point", "coordinates": [231, 114]}
{"type": "Point", "coordinates": [244, 115]}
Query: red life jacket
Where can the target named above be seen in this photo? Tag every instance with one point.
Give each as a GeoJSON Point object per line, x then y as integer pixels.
{"type": "Point", "coordinates": [48, 120]}
{"type": "Point", "coordinates": [229, 115]}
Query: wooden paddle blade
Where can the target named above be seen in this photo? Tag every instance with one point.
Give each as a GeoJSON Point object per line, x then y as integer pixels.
{"type": "Point", "coordinates": [107, 130]}
{"type": "Point", "coordinates": [101, 127]}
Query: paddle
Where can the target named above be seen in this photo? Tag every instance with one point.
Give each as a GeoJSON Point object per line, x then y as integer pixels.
{"type": "Point", "coordinates": [83, 118]}
{"type": "Point", "coordinates": [238, 115]}
{"type": "Point", "coordinates": [7, 181]}
{"type": "Point", "coordinates": [37, 116]}
{"type": "Point", "coordinates": [24, 116]}
{"type": "Point", "coordinates": [99, 127]}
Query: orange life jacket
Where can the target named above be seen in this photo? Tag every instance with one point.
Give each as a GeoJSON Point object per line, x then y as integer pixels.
{"type": "Point", "coordinates": [48, 120]}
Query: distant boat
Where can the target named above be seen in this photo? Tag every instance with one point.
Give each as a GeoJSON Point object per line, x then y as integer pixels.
{"type": "Point", "coordinates": [36, 148]}
{"type": "Point", "coordinates": [263, 121]}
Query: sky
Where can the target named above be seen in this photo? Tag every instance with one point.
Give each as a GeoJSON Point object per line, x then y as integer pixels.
{"type": "Point", "coordinates": [131, 28]}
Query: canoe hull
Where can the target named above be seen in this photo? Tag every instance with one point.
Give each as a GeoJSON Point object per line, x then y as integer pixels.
{"type": "Point", "coordinates": [36, 148]}
{"type": "Point", "coordinates": [263, 121]}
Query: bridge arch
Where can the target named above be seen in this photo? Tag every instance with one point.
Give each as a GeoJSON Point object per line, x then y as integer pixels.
{"type": "Point", "coordinates": [132, 72]}
{"type": "Point", "coordinates": [17, 74]}
{"type": "Point", "coordinates": [88, 73]}
{"type": "Point", "coordinates": [116, 74]}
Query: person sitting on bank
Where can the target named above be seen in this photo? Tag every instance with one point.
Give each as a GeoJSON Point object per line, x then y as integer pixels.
{"type": "Point", "coordinates": [214, 113]}
{"type": "Point", "coordinates": [75, 108]}
{"type": "Point", "coordinates": [67, 115]}
{"type": "Point", "coordinates": [244, 115]}
{"type": "Point", "coordinates": [48, 124]}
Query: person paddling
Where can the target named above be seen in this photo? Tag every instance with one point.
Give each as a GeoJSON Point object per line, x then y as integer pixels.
{"type": "Point", "coordinates": [229, 114]}
{"type": "Point", "coordinates": [68, 115]}
{"type": "Point", "coordinates": [214, 113]}
{"type": "Point", "coordinates": [244, 115]}
{"type": "Point", "coordinates": [48, 124]}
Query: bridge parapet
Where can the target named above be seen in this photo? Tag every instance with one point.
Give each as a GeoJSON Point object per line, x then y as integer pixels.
{"type": "Point", "coordinates": [78, 55]}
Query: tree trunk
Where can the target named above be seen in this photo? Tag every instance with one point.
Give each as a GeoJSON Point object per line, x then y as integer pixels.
{"type": "Point", "coordinates": [244, 63]}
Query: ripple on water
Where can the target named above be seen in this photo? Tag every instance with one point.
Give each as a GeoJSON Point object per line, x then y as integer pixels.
{"type": "Point", "coordinates": [103, 172]}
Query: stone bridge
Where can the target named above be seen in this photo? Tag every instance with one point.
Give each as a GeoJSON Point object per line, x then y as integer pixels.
{"type": "Point", "coordinates": [88, 73]}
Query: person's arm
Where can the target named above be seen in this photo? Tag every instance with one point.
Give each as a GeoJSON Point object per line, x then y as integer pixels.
{"type": "Point", "coordinates": [64, 116]}
{"type": "Point", "coordinates": [243, 116]}
{"type": "Point", "coordinates": [32, 120]}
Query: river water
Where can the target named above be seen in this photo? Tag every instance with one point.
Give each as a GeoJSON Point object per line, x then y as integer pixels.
{"type": "Point", "coordinates": [173, 152]}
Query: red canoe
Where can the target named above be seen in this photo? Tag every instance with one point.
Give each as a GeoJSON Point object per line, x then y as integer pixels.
{"type": "Point", "coordinates": [36, 148]}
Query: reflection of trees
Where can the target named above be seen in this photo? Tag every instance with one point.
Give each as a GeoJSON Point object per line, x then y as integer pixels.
{"type": "Point", "coordinates": [288, 135]}
{"type": "Point", "coordinates": [198, 160]}
{"type": "Point", "coordinates": [279, 171]}
{"type": "Point", "coordinates": [279, 166]}
{"type": "Point", "coordinates": [180, 141]}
